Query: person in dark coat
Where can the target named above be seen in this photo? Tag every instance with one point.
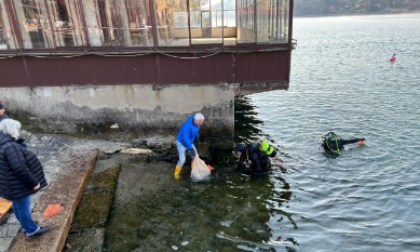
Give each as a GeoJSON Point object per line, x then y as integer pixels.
{"type": "Point", "coordinates": [21, 175]}
{"type": "Point", "coordinates": [2, 112]}
{"type": "Point", "coordinates": [258, 161]}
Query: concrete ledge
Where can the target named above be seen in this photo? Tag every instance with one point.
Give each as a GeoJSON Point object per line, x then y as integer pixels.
{"type": "Point", "coordinates": [259, 87]}
{"type": "Point", "coordinates": [133, 111]}
{"type": "Point", "coordinates": [67, 190]}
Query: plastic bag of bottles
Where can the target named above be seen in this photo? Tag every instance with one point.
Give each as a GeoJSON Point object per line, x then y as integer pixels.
{"type": "Point", "coordinates": [199, 171]}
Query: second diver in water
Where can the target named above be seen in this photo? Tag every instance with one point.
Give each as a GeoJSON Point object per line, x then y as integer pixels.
{"type": "Point", "coordinates": [255, 156]}
{"type": "Point", "coordinates": [333, 144]}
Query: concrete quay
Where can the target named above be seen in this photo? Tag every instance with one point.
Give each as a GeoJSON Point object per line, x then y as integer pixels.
{"type": "Point", "coordinates": [68, 165]}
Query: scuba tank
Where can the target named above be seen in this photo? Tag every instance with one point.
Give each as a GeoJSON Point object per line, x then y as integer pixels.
{"type": "Point", "coordinates": [331, 143]}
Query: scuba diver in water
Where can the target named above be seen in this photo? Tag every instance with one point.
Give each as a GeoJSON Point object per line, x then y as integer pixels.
{"type": "Point", "coordinates": [333, 144]}
{"type": "Point", "coordinates": [256, 156]}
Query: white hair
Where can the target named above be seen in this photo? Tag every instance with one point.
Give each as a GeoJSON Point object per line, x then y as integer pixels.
{"type": "Point", "coordinates": [11, 127]}
{"type": "Point", "coordinates": [198, 116]}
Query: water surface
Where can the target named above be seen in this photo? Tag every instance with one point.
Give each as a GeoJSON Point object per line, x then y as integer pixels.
{"type": "Point", "coordinates": [365, 200]}
{"type": "Point", "coordinates": [342, 81]}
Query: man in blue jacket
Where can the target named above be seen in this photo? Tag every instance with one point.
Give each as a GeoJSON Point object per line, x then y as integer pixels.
{"type": "Point", "coordinates": [185, 138]}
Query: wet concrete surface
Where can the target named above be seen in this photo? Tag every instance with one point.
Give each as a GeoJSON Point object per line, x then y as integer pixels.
{"type": "Point", "coordinates": [66, 189]}
{"type": "Point", "coordinates": [68, 163]}
{"type": "Point", "coordinates": [117, 179]}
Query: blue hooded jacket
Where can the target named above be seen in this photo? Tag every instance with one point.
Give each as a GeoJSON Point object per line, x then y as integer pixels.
{"type": "Point", "coordinates": [188, 132]}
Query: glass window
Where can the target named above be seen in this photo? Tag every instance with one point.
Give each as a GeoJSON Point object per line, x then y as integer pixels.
{"type": "Point", "coordinates": [181, 35]}
{"type": "Point", "coordinates": [172, 22]}
{"type": "Point", "coordinates": [139, 23]}
{"type": "Point", "coordinates": [34, 25]}
{"type": "Point", "coordinates": [50, 24]}
{"type": "Point", "coordinates": [118, 23]}
{"type": "Point", "coordinates": [246, 25]}
{"type": "Point", "coordinates": [272, 21]}
{"type": "Point", "coordinates": [229, 31]}
{"type": "Point", "coordinates": [195, 18]}
{"type": "Point", "coordinates": [7, 38]}
{"type": "Point", "coordinates": [263, 19]}
{"type": "Point", "coordinates": [230, 18]}
{"type": "Point", "coordinates": [103, 22]}
{"type": "Point", "coordinates": [281, 32]}
{"type": "Point", "coordinates": [66, 17]}
{"type": "Point", "coordinates": [217, 20]}
{"type": "Point", "coordinates": [211, 17]}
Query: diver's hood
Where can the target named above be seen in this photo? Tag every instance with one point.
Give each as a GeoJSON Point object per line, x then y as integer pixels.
{"type": "Point", "coordinates": [241, 148]}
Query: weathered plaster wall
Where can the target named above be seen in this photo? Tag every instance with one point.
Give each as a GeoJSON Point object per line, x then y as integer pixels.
{"type": "Point", "coordinates": [135, 108]}
{"type": "Point", "coordinates": [258, 87]}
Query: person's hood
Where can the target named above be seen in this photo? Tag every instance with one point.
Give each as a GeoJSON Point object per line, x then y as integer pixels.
{"type": "Point", "coordinates": [5, 138]}
{"type": "Point", "coordinates": [190, 120]}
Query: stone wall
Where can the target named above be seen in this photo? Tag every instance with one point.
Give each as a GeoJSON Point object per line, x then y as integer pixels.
{"type": "Point", "coordinates": [124, 110]}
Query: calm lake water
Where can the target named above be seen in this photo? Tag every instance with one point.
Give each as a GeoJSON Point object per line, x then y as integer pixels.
{"type": "Point", "coordinates": [365, 200]}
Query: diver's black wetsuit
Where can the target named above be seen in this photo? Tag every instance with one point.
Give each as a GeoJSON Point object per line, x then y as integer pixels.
{"type": "Point", "coordinates": [343, 142]}
{"type": "Point", "coordinates": [259, 162]}
{"type": "Point", "coordinates": [334, 146]}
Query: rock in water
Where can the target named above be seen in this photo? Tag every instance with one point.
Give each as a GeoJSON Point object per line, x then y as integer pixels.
{"type": "Point", "coordinates": [135, 151]}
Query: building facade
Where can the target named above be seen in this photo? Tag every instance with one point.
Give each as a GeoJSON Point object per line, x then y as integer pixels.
{"type": "Point", "coordinates": [72, 65]}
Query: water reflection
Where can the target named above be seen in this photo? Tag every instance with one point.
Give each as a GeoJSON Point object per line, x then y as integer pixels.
{"type": "Point", "coordinates": [246, 121]}
{"type": "Point", "coordinates": [247, 130]}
